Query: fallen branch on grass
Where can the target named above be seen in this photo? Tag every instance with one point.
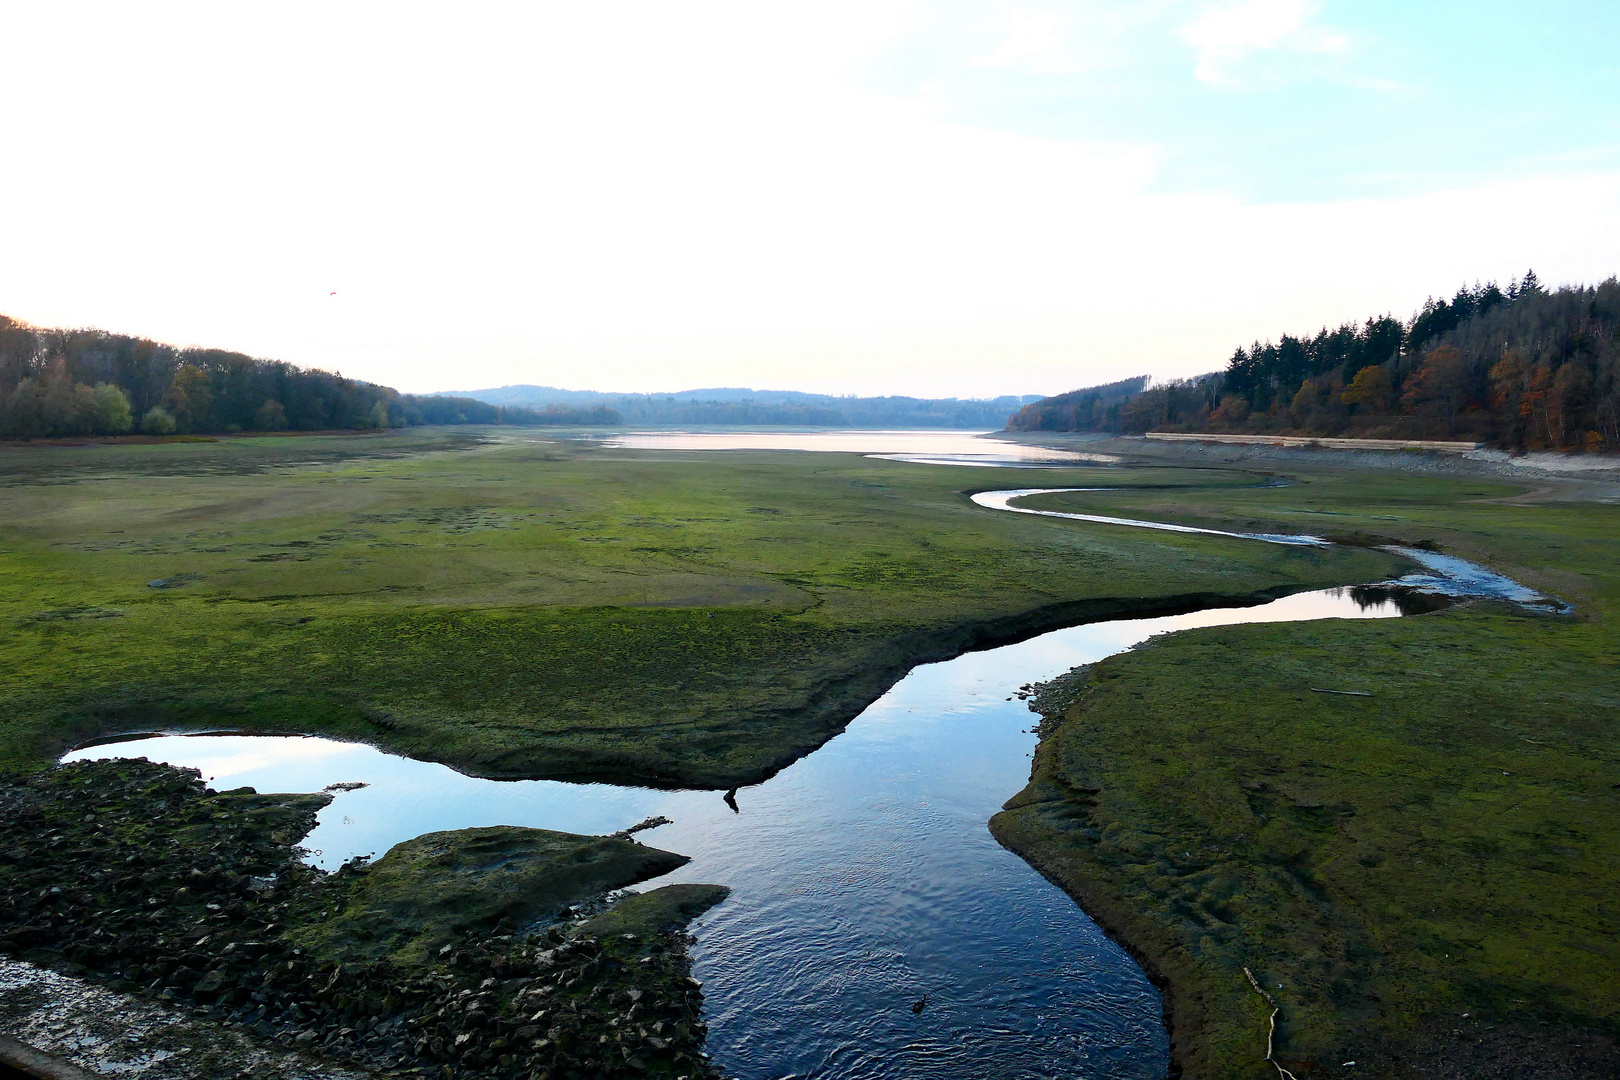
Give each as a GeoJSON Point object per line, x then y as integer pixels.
{"type": "Point", "coordinates": [1271, 1030]}
{"type": "Point", "coordinates": [1346, 693]}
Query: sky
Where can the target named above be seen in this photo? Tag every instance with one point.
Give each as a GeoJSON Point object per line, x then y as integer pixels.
{"type": "Point", "coordinates": [934, 198]}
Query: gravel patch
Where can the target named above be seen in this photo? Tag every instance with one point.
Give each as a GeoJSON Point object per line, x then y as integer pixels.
{"type": "Point", "coordinates": [110, 1034]}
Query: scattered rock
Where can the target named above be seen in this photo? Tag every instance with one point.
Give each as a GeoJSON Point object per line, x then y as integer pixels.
{"type": "Point", "coordinates": [136, 875]}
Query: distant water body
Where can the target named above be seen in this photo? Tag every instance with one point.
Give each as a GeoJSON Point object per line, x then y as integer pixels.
{"type": "Point", "coordinates": [922, 447]}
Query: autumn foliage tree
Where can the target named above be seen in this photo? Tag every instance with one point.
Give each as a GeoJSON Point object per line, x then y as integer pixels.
{"type": "Point", "coordinates": [1523, 368]}
{"type": "Point", "coordinates": [87, 382]}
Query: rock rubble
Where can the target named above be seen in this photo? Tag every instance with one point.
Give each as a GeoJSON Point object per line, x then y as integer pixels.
{"type": "Point", "coordinates": [138, 877]}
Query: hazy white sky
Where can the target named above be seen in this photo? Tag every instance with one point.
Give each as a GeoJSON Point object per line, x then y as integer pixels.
{"type": "Point", "coordinates": [929, 198]}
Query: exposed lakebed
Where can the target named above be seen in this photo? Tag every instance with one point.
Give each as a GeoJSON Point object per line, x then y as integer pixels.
{"type": "Point", "coordinates": [865, 881]}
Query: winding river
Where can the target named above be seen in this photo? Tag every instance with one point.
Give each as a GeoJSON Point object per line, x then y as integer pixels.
{"type": "Point", "coordinates": [864, 878]}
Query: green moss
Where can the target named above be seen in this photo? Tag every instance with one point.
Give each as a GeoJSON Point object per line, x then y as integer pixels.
{"type": "Point", "coordinates": [524, 607]}
{"type": "Point", "coordinates": [428, 892]}
{"type": "Point", "coordinates": [1449, 845]}
{"type": "Point", "coordinates": [659, 911]}
{"type": "Point", "coordinates": [135, 874]}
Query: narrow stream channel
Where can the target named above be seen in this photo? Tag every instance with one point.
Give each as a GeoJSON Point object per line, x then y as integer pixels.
{"type": "Point", "coordinates": [864, 878]}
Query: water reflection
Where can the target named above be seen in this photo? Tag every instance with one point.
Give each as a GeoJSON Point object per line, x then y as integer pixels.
{"type": "Point", "coordinates": [1405, 598]}
{"type": "Point", "coordinates": [920, 447]}
{"type": "Point", "coordinates": [863, 876]}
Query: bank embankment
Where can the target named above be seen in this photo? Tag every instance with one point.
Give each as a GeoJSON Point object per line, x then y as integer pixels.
{"type": "Point", "coordinates": [524, 609]}
{"type": "Point", "coordinates": [1407, 830]}
{"type": "Point", "coordinates": [1595, 473]}
{"type": "Point", "coordinates": [443, 956]}
{"type": "Point", "coordinates": [843, 692]}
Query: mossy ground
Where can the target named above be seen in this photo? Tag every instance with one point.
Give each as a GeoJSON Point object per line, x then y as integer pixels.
{"type": "Point", "coordinates": [135, 874]}
{"type": "Point", "coordinates": [1424, 878]}
{"type": "Point", "coordinates": [516, 605]}
{"type": "Point", "coordinates": [428, 892]}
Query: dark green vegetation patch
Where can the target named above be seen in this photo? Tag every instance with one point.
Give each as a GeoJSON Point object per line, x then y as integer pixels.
{"type": "Point", "coordinates": [519, 607]}
{"type": "Point", "coordinates": [1424, 877]}
{"type": "Point", "coordinates": [427, 892]}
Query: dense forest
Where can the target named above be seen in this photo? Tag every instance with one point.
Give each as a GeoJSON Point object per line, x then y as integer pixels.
{"type": "Point", "coordinates": [88, 382]}
{"type": "Point", "coordinates": [1521, 368]}
{"type": "Point", "coordinates": [1094, 408]}
{"type": "Point", "coordinates": [729, 405]}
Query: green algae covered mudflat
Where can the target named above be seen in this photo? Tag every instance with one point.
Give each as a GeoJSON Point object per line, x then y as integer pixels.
{"type": "Point", "coordinates": [1423, 878]}
{"type": "Point", "coordinates": [520, 606]}
{"type": "Point", "coordinates": [517, 605]}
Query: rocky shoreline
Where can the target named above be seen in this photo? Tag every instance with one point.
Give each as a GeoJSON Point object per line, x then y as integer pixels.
{"type": "Point", "coordinates": [136, 878]}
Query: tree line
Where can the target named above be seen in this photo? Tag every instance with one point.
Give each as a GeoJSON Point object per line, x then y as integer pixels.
{"type": "Point", "coordinates": [733, 405]}
{"type": "Point", "coordinates": [57, 382]}
{"type": "Point", "coordinates": [886, 412]}
{"type": "Point", "coordinates": [1522, 368]}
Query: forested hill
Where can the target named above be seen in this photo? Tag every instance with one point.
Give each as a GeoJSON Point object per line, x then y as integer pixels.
{"type": "Point", "coordinates": [1094, 408]}
{"type": "Point", "coordinates": [88, 382]}
{"type": "Point", "coordinates": [1521, 368]}
{"type": "Point", "coordinates": [732, 405]}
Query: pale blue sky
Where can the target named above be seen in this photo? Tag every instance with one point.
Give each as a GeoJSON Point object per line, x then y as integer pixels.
{"type": "Point", "coordinates": [873, 196]}
{"type": "Point", "coordinates": [1305, 103]}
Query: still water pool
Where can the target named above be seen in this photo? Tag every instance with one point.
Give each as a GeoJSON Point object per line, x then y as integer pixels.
{"type": "Point", "coordinates": [864, 878]}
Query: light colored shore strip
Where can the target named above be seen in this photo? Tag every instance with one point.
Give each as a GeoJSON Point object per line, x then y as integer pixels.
{"type": "Point", "coordinates": [80, 1028]}
{"type": "Point", "coordinates": [25, 1059]}
{"type": "Point", "coordinates": [1332, 444]}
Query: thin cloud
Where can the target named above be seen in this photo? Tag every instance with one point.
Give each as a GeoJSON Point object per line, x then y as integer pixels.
{"type": "Point", "coordinates": [1034, 42]}
{"type": "Point", "coordinates": [1227, 36]}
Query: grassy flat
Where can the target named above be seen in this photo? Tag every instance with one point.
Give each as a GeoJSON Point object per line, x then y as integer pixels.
{"type": "Point", "coordinates": [1424, 878]}
{"type": "Point", "coordinates": [430, 891]}
{"type": "Point", "coordinates": [516, 605]}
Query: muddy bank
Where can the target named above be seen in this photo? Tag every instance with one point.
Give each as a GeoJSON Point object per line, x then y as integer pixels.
{"type": "Point", "coordinates": [1599, 473]}
{"type": "Point", "coordinates": [841, 693]}
{"type": "Point", "coordinates": [137, 880]}
{"type": "Point", "coordinates": [845, 694]}
{"type": "Point", "coordinates": [1361, 855]}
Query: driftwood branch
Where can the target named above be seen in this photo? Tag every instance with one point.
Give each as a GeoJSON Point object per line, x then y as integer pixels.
{"type": "Point", "coordinates": [1271, 1029]}
{"type": "Point", "coordinates": [650, 823]}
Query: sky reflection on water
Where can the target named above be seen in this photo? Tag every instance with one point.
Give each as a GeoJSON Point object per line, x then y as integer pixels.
{"type": "Point", "coordinates": [864, 877]}
{"type": "Point", "coordinates": [919, 447]}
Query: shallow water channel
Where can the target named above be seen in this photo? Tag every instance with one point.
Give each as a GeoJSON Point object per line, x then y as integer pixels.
{"type": "Point", "coordinates": [864, 877]}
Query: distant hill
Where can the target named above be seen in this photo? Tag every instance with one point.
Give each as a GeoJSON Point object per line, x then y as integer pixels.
{"type": "Point", "coordinates": [1524, 368]}
{"type": "Point", "coordinates": [742, 406]}
{"type": "Point", "coordinates": [56, 382]}
{"type": "Point", "coordinates": [1091, 408]}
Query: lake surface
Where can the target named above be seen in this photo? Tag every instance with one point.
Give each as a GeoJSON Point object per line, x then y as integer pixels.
{"type": "Point", "coordinates": [864, 877]}
{"type": "Point", "coordinates": [923, 447]}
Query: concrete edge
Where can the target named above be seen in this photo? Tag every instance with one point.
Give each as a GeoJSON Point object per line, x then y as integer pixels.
{"type": "Point", "coordinates": [37, 1063]}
